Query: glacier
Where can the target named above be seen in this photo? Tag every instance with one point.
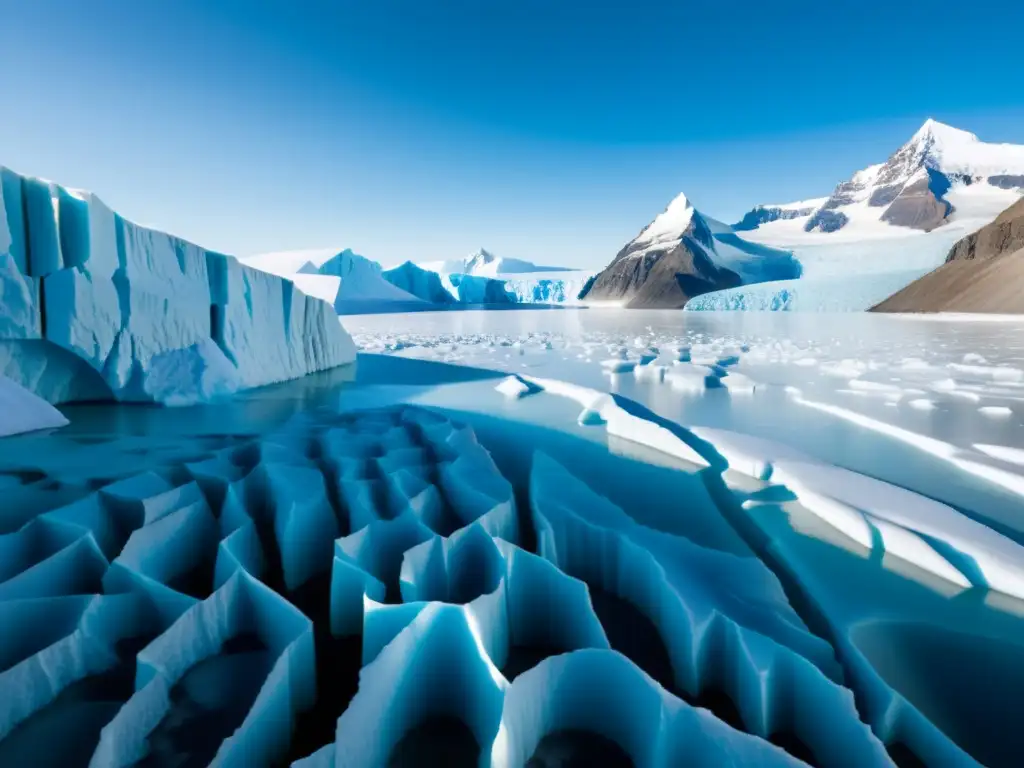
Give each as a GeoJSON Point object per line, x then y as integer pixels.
{"type": "Point", "coordinates": [853, 293]}
{"type": "Point", "coordinates": [98, 308]}
{"type": "Point", "coordinates": [393, 555]}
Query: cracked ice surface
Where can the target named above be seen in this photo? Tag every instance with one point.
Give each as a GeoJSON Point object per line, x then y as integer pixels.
{"type": "Point", "coordinates": [902, 399]}
{"type": "Point", "coordinates": [417, 566]}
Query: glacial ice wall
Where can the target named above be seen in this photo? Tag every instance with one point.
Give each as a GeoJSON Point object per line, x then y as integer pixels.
{"type": "Point", "coordinates": [850, 293]}
{"type": "Point", "coordinates": [96, 307]}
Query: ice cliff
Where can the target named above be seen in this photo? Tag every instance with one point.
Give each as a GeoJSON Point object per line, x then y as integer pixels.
{"type": "Point", "coordinates": [96, 307]}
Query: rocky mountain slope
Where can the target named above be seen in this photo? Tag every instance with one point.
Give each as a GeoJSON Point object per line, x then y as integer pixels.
{"type": "Point", "coordinates": [682, 254]}
{"type": "Point", "coordinates": [917, 188]}
{"type": "Point", "coordinates": [984, 272]}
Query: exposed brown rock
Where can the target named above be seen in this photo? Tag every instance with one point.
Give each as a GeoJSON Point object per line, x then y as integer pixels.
{"type": "Point", "coordinates": [917, 206]}
{"type": "Point", "coordinates": [984, 272]}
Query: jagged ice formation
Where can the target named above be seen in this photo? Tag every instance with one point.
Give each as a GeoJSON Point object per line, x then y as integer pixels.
{"type": "Point", "coordinates": [98, 308]}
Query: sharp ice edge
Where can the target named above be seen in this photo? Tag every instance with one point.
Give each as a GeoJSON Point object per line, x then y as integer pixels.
{"type": "Point", "coordinates": [135, 314]}
{"type": "Point", "coordinates": [428, 509]}
{"type": "Point", "coordinates": [640, 427]}
{"type": "Point", "coordinates": [21, 411]}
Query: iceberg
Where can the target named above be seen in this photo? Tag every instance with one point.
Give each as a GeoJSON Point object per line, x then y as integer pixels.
{"type": "Point", "coordinates": [21, 411]}
{"type": "Point", "coordinates": [420, 282]}
{"type": "Point", "coordinates": [96, 307]}
{"type": "Point", "coordinates": [547, 287]}
{"type": "Point", "coordinates": [471, 289]}
{"type": "Point", "coordinates": [354, 284]}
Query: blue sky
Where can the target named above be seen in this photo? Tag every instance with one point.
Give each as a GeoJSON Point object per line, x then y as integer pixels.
{"type": "Point", "coordinates": [550, 130]}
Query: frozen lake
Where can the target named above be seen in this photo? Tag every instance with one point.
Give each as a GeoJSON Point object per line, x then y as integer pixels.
{"type": "Point", "coordinates": [934, 404]}
{"type": "Point", "coordinates": [672, 487]}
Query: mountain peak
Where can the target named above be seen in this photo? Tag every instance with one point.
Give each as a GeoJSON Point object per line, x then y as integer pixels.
{"type": "Point", "coordinates": [932, 132]}
{"type": "Point", "coordinates": [671, 223]}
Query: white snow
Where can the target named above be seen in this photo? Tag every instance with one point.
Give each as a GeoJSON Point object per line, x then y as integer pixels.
{"type": "Point", "coordinates": [669, 225]}
{"type": "Point", "coordinates": [958, 151]}
{"type": "Point", "coordinates": [1005, 453]}
{"type": "Point", "coordinates": [21, 411]}
{"type": "Point", "coordinates": [288, 263]}
{"type": "Point", "coordinates": [995, 411]}
{"type": "Point", "coordinates": [483, 263]}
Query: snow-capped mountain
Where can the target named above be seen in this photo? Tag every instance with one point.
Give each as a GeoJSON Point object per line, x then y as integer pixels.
{"type": "Point", "coordinates": [683, 253]}
{"type": "Point", "coordinates": [886, 226]}
{"type": "Point", "coordinates": [984, 272]}
{"type": "Point", "coordinates": [940, 175]}
{"type": "Point", "coordinates": [483, 263]}
{"type": "Point", "coordinates": [763, 214]}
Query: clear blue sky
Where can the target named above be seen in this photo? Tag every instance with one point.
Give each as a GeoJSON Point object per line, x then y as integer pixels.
{"type": "Point", "coordinates": [550, 130]}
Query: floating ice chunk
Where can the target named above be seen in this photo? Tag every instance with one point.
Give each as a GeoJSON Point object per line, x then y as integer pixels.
{"type": "Point", "coordinates": [650, 372]}
{"type": "Point", "coordinates": [844, 369]}
{"type": "Point", "coordinates": [922, 404]}
{"type": "Point", "coordinates": [739, 384]}
{"type": "Point", "coordinates": [514, 387]}
{"type": "Point", "coordinates": [807, 362]}
{"type": "Point", "coordinates": [973, 358]}
{"type": "Point", "coordinates": [875, 387]}
{"type": "Point", "coordinates": [21, 411]}
{"type": "Point", "coordinates": [996, 373]}
{"type": "Point", "coordinates": [995, 411]}
{"type": "Point", "coordinates": [618, 365]}
{"type": "Point", "coordinates": [693, 378]}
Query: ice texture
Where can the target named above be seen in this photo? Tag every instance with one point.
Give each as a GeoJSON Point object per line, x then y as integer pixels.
{"type": "Point", "coordinates": [278, 600]}
{"type": "Point", "coordinates": [21, 411]}
{"type": "Point", "coordinates": [96, 307]}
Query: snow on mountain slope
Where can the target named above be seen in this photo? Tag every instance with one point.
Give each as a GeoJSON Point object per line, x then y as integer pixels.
{"type": "Point", "coordinates": [764, 214]}
{"type": "Point", "coordinates": [483, 263]}
{"type": "Point", "coordinates": [682, 254]}
{"type": "Point", "coordinates": [941, 176]}
{"type": "Point", "coordinates": [890, 222]}
{"type": "Point", "coordinates": [354, 284]}
{"type": "Point", "coordinates": [21, 411]}
{"type": "Point", "coordinates": [96, 307]}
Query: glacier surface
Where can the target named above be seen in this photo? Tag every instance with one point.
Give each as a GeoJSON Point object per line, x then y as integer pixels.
{"type": "Point", "coordinates": [96, 307]}
{"type": "Point", "coordinates": [381, 565]}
